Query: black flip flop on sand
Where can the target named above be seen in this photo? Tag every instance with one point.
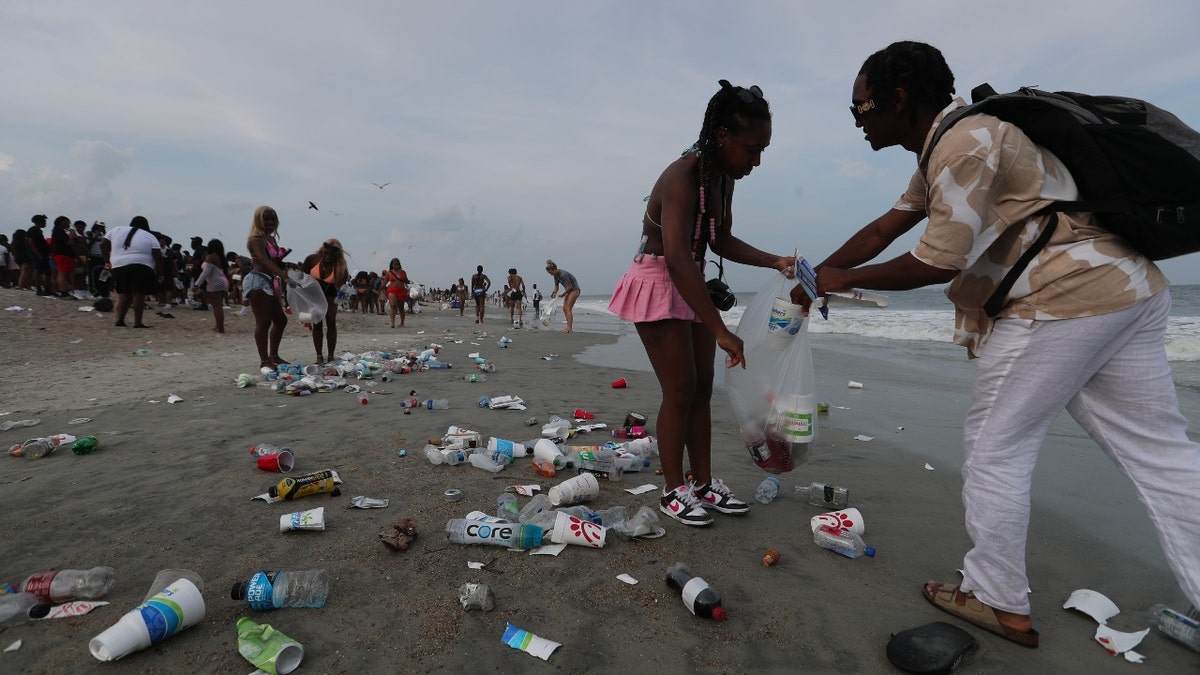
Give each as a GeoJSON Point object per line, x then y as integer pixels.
{"type": "Point", "coordinates": [934, 648]}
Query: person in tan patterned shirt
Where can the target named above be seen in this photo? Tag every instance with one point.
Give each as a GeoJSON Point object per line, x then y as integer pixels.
{"type": "Point", "coordinates": [1081, 330]}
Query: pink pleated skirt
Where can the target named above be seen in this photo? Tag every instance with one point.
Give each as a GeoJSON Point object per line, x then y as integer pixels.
{"type": "Point", "coordinates": [646, 293]}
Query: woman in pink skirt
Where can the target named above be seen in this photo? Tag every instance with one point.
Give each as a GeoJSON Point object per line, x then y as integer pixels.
{"type": "Point", "coordinates": [664, 294]}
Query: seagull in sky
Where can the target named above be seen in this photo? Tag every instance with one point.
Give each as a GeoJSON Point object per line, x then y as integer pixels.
{"type": "Point", "coordinates": [313, 206]}
{"type": "Point", "coordinates": [382, 186]}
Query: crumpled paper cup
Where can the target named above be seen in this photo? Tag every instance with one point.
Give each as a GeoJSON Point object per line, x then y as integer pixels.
{"type": "Point", "coordinates": [266, 648]}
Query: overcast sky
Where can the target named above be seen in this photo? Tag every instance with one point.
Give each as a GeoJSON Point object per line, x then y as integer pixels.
{"type": "Point", "coordinates": [508, 132]}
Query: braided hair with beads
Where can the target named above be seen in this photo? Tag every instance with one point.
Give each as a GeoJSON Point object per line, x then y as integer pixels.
{"type": "Point", "coordinates": [916, 67]}
{"type": "Point", "coordinates": [732, 108]}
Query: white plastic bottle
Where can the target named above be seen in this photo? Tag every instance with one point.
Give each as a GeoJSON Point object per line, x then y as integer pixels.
{"type": "Point", "coordinates": [63, 585]}
{"type": "Point", "coordinates": [434, 454]}
{"type": "Point", "coordinates": [767, 490]}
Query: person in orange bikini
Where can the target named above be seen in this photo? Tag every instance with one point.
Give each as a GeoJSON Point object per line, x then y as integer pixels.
{"type": "Point", "coordinates": [328, 266]}
{"type": "Point", "coordinates": [396, 281]}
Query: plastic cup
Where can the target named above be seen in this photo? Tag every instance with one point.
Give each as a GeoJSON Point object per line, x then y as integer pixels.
{"type": "Point", "coordinates": [619, 384]}
{"type": "Point", "coordinates": [266, 648]}
{"type": "Point", "coordinates": [578, 489]}
{"type": "Point", "coordinates": [280, 462]}
{"type": "Point", "coordinates": [312, 519]}
{"type": "Point", "coordinates": [785, 318]}
{"type": "Point", "coordinates": [846, 519]}
{"type": "Point", "coordinates": [175, 608]}
{"type": "Point", "coordinates": [571, 530]}
{"type": "Point", "coordinates": [167, 577]}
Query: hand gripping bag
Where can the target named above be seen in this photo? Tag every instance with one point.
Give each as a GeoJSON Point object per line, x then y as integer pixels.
{"type": "Point", "coordinates": [774, 397]}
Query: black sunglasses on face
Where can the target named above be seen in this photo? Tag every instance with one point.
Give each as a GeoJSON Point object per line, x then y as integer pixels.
{"type": "Point", "coordinates": [748, 95]}
{"type": "Point", "coordinates": [860, 109]}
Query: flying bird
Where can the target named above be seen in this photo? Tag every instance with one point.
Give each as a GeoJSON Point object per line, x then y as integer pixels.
{"type": "Point", "coordinates": [313, 206]}
{"type": "Point", "coordinates": [382, 186]}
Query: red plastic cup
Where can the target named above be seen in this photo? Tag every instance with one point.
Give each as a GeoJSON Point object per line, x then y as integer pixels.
{"type": "Point", "coordinates": [619, 384]}
{"type": "Point", "coordinates": [280, 462]}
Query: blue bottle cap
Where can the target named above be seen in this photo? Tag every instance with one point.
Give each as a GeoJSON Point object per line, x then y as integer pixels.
{"type": "Point", "coordinates": [869, 551]}
{"type": "Point", "coordinates": [529, 536]}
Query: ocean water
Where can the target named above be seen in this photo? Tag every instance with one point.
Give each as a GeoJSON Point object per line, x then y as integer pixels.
{"type": "Point", "coordinates": [915, 326]}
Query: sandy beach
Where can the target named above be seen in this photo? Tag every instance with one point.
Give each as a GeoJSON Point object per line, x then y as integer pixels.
{"type": "Point", "coordinates": [171, 487]}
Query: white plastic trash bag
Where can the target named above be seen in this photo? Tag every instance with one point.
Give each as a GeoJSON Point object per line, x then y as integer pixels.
{"type": "Point", "coordinates": [307, 298]}
{"type": "Point", "coordinates": [774, 397]}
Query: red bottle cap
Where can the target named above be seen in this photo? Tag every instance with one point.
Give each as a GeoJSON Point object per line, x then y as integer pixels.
{"type": "Point", "coordinates": [718, 614]}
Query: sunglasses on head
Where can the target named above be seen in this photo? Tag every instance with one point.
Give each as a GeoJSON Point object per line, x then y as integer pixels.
{"type": "Point", "coordinates": [860, 109]}
{"type": "Point", "coordinates": [748, 95]}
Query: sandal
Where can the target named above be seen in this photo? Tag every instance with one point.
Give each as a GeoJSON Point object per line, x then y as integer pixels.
{"type": "Point", "coordinates": [967, 607]}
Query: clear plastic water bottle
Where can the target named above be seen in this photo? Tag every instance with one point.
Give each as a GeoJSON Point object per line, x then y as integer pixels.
{"type": "Point", "coordinates": [434, 454]}
{"type": "Point", "coordinates": [767, 490]}
{"type": "Point", "coordinates": [485, 402]}
{"type": "Point", "coordinates": [62, 585]}
{"type": "Point", "coordinates": [18, 607]}
{"type": "Point", "coordinates": [600, 461]}
{"type": "Point", "coordinates": [700, 598]}
{"type": "Point", "coordinates": [37, 448]}
{"type": "Point", "coordinates": [436, 404]}
{"type": "Point", "coordinates": [453, 457]}
{"type": "Point", "coordinates": [1179, 627]}
{"type": "Point", "coordinates": [482, 461]}
{"type": "Point", "coordinates": [827, 496]}
{"type": "Point", "coordinates": [510, 535]}
{"type": "Point", "coordinates": [842, 541]}
{"type": "Point", "coordinates": [506, 507]}
{"type": "Point", "coordinates": [274, 590]}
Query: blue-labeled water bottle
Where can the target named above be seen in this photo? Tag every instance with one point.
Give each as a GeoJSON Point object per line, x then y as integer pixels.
{"type": "Point", "coordinates": [274, 590]}
{"type": "Point", "coordinates": [842, 541]}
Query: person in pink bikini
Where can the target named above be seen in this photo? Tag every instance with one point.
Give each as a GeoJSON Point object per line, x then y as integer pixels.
{"type": "Point", "coordinates": [663, 293]}
{"type": "Point", "coordinates": [262, 285]}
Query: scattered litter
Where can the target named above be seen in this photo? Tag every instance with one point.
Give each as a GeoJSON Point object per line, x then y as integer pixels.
{"type": "Point", "coordinates": [153, 401]}
{"type": "Point", "coordinates": [173, 399]}
{"type": "Point", "coordinates": [518, 638]}
{"type": "Point", "coordinates": [85, 308]}
{"type": "Point", "coordinates": [864, 438]}
{"type": "Point", "coordinates": [1101, 609]}
{"type": "Point", "coordinates": [627, 579]}
{"type": "Point", "coordinates": [361, 502]}
{"type": "Point", "coordinates": [508, 402]}
{"type": "Point", "coordinates": [770, 557]}
{"type": "Point", "coordinates": [531, 421]}
{"type": "Point", "coordinates": [854, 385]}
{"type": "Point", "coordinates": [402, 533]}
{"type": "Point", "coordinates": [476, 596]}
{"type": "Point", "coordinates": [641, 489]}
{"type": "Point", "coordinates": [172, 353]}
{"type": "Point", "coordinates": [5, 426]}
{"type": "Point", "coordinates": [14, 308]}
{"type": "Point", "coordinates": [549, 358]}
{"type": "Point", "coordinates": [317, 482]}
{"type": "Point", "coordinates": [899, 428]}
{"type": "Point", "coordinates": [928, 466]}
{"type": "Point", "coordinates": [475, 565]}
{"type": "Point", "coordinates": [71, 609]}
{"type": "Point", "coordinates": [13, 647]}
{"type": "Point", "coordinates": [401, 452]}
{"type": "Point", "coordinates": [75, 342]}
{"type": "Point", "coordinates": [80, 420]}
{"type": "Point", "coordinates": [526, 490]}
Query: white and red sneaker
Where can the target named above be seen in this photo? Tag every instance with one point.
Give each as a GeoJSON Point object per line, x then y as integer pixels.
{"type": "Point", "coordinates": [716, 496]}
{"type": "Point", "coordinates": [683, 505]}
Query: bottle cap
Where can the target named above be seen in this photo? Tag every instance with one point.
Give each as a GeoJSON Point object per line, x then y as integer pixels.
{"type": "Point", "coordinates": [718, 614]}
{"type": "Point", "coordinates": [238, 592]}
{"type": "Point", "coordinates": [869, 551]}
{"type": "Point", "coordinates": [529, 536]}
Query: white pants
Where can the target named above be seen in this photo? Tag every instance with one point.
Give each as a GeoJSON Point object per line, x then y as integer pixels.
{"type": "Point", "coordinates": [1111, 374]}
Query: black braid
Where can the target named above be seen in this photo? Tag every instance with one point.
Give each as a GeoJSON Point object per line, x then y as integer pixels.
{"type": "Point", "coordinates": [915, 67]}
{"type": "Point", "coordinates": [725, 109]}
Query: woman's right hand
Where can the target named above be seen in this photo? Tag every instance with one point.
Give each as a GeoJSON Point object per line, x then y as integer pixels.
{"type": "Point", "coordinates": [733, 346]}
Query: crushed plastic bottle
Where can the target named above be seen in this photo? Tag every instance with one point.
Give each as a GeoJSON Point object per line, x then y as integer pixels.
{"type": "Point", "coordinates": [5, 426]}
{"type": "Point", "coordinates": [273, 590]}
{"type": "Point", "coordinates": [845, 542]}
{"type": "Point", "coordinates": [767, 490]}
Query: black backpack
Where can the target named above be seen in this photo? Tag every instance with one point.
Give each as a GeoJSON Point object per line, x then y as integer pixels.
{"type": "Point", "coordinates": [1137, 167]}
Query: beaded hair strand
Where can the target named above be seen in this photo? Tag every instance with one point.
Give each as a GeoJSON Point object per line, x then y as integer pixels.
{"type": "Point", "coordinates": [727, 109]}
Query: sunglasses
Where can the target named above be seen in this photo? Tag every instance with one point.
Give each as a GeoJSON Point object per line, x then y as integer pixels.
{"type": "Point", "coordinates": [860, 109]}
{"type": "Point", "coordinates": [331, 247]}
{"type": "Point", "coordinates": [749, 95]}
